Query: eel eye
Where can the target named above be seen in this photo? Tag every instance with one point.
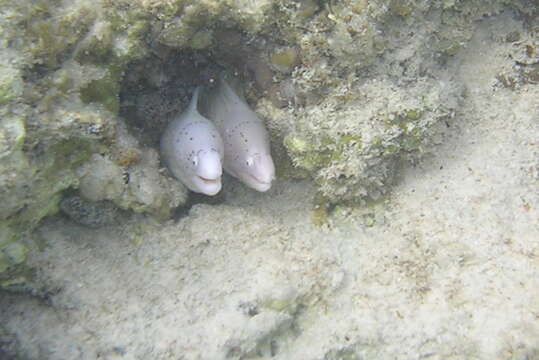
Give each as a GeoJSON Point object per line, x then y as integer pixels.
{"type": "Point", "coordinates": [249, 162]}
{"type": "Point", "coordinates": [195, 161]}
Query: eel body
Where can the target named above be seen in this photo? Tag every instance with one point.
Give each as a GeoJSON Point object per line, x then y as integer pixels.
{"type": "Point", "coordinates": [246, 140]}
{"type": "Point", "coordinates": [193, 150]}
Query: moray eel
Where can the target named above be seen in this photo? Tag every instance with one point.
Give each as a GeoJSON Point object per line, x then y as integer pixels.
{"type": "Point", "coordinates": [246, 140]}
{"type": "Point", "coordinates": [192, 149]}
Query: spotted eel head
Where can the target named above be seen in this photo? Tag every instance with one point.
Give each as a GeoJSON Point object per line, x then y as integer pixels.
{"type": "Point", "coordinates": [207, 171]}
{"type": "Point", "coordinates": [258, 171]}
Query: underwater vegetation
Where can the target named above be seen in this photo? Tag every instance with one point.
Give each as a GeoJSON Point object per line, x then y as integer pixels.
{"type": "Point", "coordinates": [86, 90]}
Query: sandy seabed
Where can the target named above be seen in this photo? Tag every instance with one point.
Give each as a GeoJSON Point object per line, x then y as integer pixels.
{"type": "Point", "coordinates": [447, 267]}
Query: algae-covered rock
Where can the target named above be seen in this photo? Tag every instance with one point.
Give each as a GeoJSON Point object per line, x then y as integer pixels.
{"type": "Point", "coordinates": [59, 86]}
{"type": "Point", "coordinates": [11, 84]}
{"type": "Point", "coordinates": [352, 148]}
{"type": "Point", "coordinates": [284, 60]}
{"type": "Point", "coordinates": [92, 214]}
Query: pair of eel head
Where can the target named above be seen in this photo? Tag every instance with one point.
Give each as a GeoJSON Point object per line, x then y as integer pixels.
{"type": "Point", "coordinates": [229, 135]}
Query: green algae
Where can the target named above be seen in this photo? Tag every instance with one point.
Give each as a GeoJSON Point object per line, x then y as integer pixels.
{"type": "Point", "coordinates": [54, 174]}
{"type": "Point", "coordinates": [311, 157]}
{"type": "Point", "coordinates": [70, 154]}
{"type": "Point", "coordinates": [104, 91]}
{"type": "Point", "coordinates": [320, 215]}
{"type": "Point", "coordinates": [51, 40]}
{"type": "Point", "coordinates": [97, 47]}
{"type": "Point", "coordinates": [11, 84]}
{"type": "Point", "coordinates": [284, 59]}
{"type": "Point", "coordinates": [202, 39]}
{"type": "Point", "coordinates": [297, 144]}
{"type": "Point", "coordinates": [14, 253]}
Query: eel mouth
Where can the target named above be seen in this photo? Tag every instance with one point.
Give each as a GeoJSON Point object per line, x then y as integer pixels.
{"type": "Point", "coordinates": [258, 185]}
{"type": "Point", "coordinates": [208, 181]}
{"type": "Point", "coordinates": [260, 181]}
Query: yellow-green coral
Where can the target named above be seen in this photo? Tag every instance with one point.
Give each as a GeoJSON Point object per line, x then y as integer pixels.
{"type": "Point", "coordinates": [319, 152]}
{"type": "Point", "coordinates": [351, 151]}
{"type": "Point", "coordinates": [52, 32]}
{"type": "Point", "coordinates": [285, 59]}
{"type": "Point", "coordinates": [105, 91]}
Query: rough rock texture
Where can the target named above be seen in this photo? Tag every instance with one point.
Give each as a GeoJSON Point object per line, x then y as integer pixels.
{"type": "Point", "coordinates": [60, 72]}
{"type": "Point", "coordinates": [372, 89]}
